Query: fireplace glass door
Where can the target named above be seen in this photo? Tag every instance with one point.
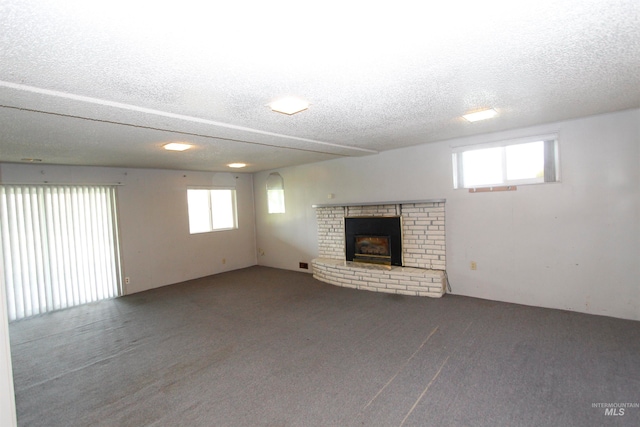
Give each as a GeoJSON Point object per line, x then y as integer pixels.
{"type": "Point", "coordinates": [375, 240]}
{"type": "Point", "coordinates": [375, 249]}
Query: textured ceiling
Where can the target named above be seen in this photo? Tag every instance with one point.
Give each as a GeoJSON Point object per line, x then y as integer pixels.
{"type": "Point", "coordinates": [109, 83]}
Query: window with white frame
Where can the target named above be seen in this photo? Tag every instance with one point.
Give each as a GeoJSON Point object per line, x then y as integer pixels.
{"type": "Point", "coordinates": [527, 161]}
{"type": "Point", "coordinates": [211, 209]}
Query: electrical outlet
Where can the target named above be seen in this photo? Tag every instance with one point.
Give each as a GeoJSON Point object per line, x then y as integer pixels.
{"type": "Point", "coordinates": [224, 260]}
{"type": "Point", "coordinates": [474, 265]}
{"type": "Point", "coordinates": [127, 280]}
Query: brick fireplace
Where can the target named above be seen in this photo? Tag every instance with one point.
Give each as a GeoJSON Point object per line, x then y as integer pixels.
{"type": "Point", "coordinates": [423, 260]}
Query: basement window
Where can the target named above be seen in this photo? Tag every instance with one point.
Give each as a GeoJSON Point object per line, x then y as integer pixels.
{"type": "Point", "coordinates": [275, 193]}
{"type": "Point", "coordinates": [508, 163]}
{"type": "Point", "coordinates": [211, 209]}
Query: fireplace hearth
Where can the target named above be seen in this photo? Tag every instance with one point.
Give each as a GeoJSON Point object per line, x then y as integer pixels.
{"type": "Point", "coordinates": [376, 240]}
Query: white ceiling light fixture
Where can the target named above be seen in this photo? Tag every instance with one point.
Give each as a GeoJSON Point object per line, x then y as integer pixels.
{"type": "Point", "coordinates": [237, 165]}
{"type": "Point", "coordinates": [177, 146]}
{"type": "Point", "coordinates": [289, 105]}
{"type": "Point", "coordinates": [476, 116]}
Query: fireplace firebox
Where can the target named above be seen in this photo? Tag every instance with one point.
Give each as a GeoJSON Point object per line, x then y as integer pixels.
{"type": "Point", "coordinates": [375, 249]}
{"type": "Point", "coordinates": [375, 240]}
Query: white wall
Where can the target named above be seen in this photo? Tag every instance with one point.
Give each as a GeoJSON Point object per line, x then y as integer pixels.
{"type": "Point", "coordinates": [157, 248]}
{"type": "Point", "coordinates": [571, 245]}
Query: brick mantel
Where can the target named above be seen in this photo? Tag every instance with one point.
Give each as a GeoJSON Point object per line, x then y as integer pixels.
{"type": "Point", "coordinates": [423, 247]}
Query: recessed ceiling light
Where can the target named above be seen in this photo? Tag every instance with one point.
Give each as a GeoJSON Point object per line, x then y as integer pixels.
{"type": "Point", "coordinates": [177, 146]}
{"type": "Point", "coordinates": [237, 165]}
{"type": "Point", "coordinates": [289, 105]}
{"type": "Point", "coordinates": [481, 115]}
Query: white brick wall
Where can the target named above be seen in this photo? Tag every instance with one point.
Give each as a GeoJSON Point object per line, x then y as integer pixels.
{"type": "Point", "coordinates": [423, 235]}
{"type": "Point", "coordinates": [331, 232]}
{"type": "Point", "coordinates": [373, 210]}
{"type": "Point", "coordinates": [423, 231]}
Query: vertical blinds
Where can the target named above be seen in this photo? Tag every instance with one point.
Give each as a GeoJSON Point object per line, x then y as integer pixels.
{"type": "Point", "coordinates": [59, 246]}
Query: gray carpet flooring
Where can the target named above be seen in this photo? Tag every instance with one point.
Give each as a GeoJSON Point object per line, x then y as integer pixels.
{"type": "Point", "coordinates": [268, 347]}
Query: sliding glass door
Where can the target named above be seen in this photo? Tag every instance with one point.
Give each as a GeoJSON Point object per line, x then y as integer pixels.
{"type": "Point", "coordinates": [59, 246]}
